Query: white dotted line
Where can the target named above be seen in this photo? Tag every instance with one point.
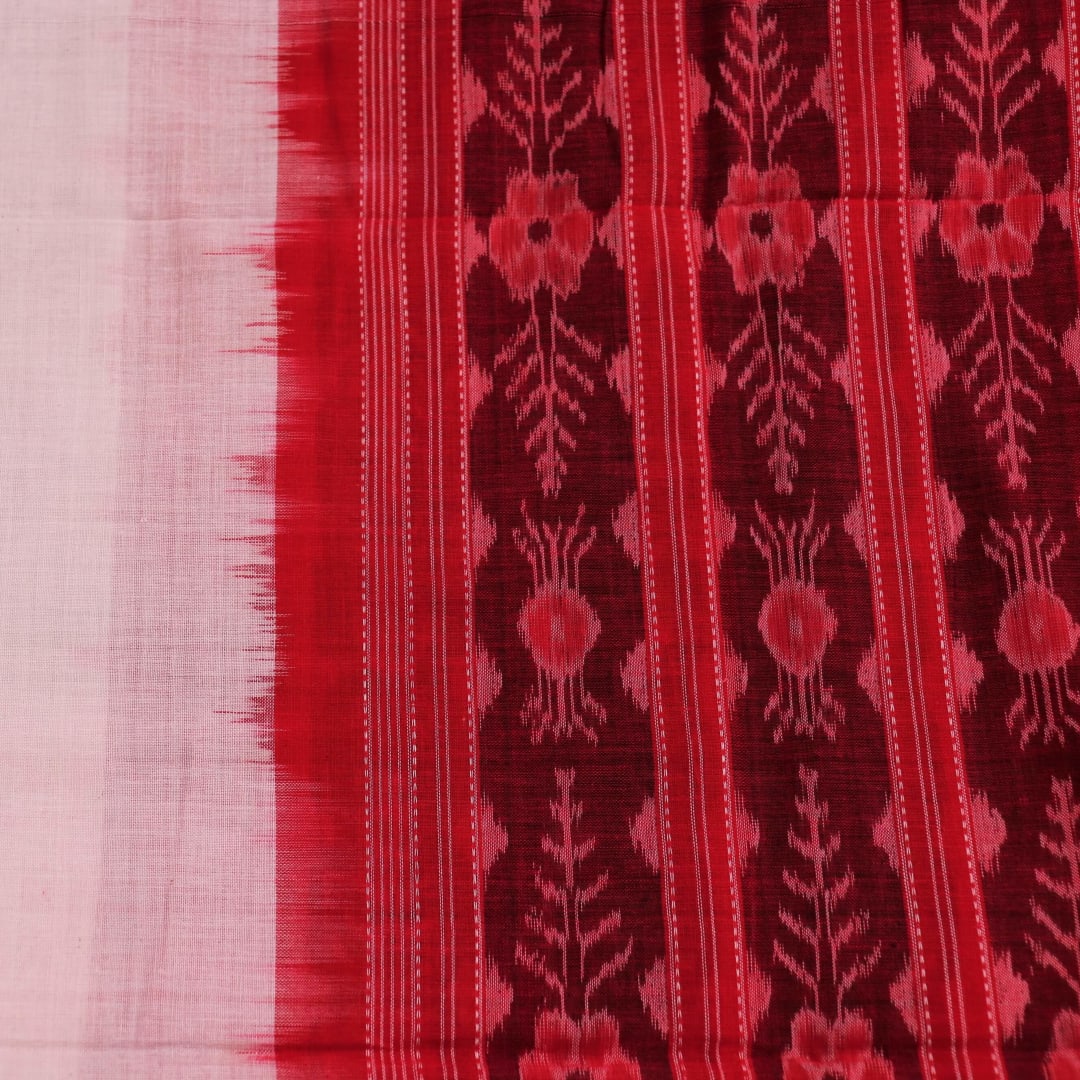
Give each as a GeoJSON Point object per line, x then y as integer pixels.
{"type": "Point", "coordinates": [365, 643]}
{"type": "Point", "coordinates": [884, 669]}
{"type": "Point", "coordinates": [726, 774]}
{"type": "Point", "coordinates": [410, 587]}
{"type": "Point", "coordinates": [649, 562]}
{"type": "Point", "coordinates": [931, 515]}
{"type": "Point", "coordinates": [470, 658]}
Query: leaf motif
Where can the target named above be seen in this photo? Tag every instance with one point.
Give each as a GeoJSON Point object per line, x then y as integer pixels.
{"type": "Point", "coordinates": [563, 927]}
{"type": "Point", "coordinates": [832, 959]}
{"type": "Point", "coordinates": [1057, 947]}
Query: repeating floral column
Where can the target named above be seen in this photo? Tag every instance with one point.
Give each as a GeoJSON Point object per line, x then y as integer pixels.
{"type": "Point", "coordinates": [574, 923]}
{"type": "Point", "coordinates": [825, 914]}
{"type": "Point", "coordinates": [995, 246]}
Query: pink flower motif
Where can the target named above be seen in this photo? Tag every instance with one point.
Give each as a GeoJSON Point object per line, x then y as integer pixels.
{"type": "Point", "coordinates": [1063, 1061]}
{"type": "Point", "coordinates": [992, 216]}
{"type": "Point", "coordinates": [543, 235]}
{"type": "Point", "coordinates": [562, 1046]}
{"type": "Point", "coordinates": [1036, 632]}
{"type": "Point", "coordinates": [797, 625]}
{"type": "Point", "coordinates": [765, 228]}
{"type": "Point", "coordinates": [555, 1049]}
{"type": "Point", "coordinates": [843, 1050]}
{"type": "Point", "coordinates": [560, 628]}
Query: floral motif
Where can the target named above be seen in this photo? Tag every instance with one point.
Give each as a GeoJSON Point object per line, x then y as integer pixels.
{"type": "Point", "coordinates": [990, 222]}
{"type": "Point", "coordinates": [559, 627]}
{"type": "Point", "coordinates": [992, 216]}
{"type": "Point", "coordinates": [821, 1048]}
{"type": "Point", "coordinates": [565, 1045]}
{"type": "Point", "coordinates": [591, 1048]}
{"type": "Point", "coordinates": [764, 227]}
{"type": "Point", "coordinates": [542, 236]}
{"type": "Point", "coordinates": [1035, 633]}
{"type": "Point", "coordinates": [841, 1050]}
{"type": "Point", "coordinates": [797, 624]}
{"type": "Point", "coordinates": [766, 231]}
{"type": "Point", "coordinates": [550, 374]}
{"type": "Point", "coordinates": [1002, 311]}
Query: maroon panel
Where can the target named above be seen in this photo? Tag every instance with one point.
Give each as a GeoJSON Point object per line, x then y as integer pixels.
{"type": "Point", "coordinates": [573, 914]}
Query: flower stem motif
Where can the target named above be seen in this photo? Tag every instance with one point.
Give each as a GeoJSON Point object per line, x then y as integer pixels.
{"type": "Point", "coordinates": [765, 228]}
{"type": "Point", "coordinates": [542, 236]}
{"type": "Point", "coordinates": [797, 624]}
{"type": "Point", "coordinates": [777, 350]}
{"type": "Point", "coordinates": [559, 627]}
{"type": "Point", "coordinates": [537, 98]}
{"type": "Point", "coordinates": [1003, 338]}
{"type": "Point", "coordinates": [829, 1041]}
{"type": "Point", "coordinates": [1058, 921]}
{"type": "Point", "coordinates": [541, 239]}
{"type": "Point", "coordinates": [767, 231]}
{"type": "Point", "coordinates": [981, 89]}
{"type": "Point", "coordinates": [573, 1036]}
{"type": "Point", "coordinates": [992, 216]}
{"type": "Point", "coordinates": [758, 104]}
{"type": "Point", "coordinates": [991, 220]}
{"type": "Point", "coordinates": [546, 385]}
{"type": "Point", "coordinates": [1035, 632]}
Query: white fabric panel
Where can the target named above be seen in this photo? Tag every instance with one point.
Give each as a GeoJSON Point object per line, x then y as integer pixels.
{"type": "Point", "coordinates": [137, 172]}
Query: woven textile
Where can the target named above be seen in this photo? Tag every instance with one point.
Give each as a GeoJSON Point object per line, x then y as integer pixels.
{"type": "Point", "coordinates": [541, 540]}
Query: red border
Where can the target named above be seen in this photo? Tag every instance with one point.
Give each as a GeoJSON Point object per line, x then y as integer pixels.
{"type": "Point", "coordinates": [333, 489]}
{"type": "Point", "coordinates": [318, 549]}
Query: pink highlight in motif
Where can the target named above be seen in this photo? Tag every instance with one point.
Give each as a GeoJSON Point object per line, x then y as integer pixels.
{"type": "Point", "coordinates": [797, 624]}
{"type": "Point", "coordinates": [1035, 633]}
{"type": "Point", "coordinates": [765, 228]}
{"type": "Point", "coordinates": [542, 236]}
{"type": "Point", "coordinates": [559, 628]}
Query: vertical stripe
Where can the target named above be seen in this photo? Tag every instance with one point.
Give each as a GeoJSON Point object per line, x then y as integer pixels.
{"type": "Point", "coordinates": [958, 1026]}
{"type": "Point", "coordinates": [389, 716]}
{"type": "Point", "coordinates": [379, 969]}
{"type": "Point", "coordinates": [449, 975]}
{"type": "Point", "coordinates": [708, 1024]}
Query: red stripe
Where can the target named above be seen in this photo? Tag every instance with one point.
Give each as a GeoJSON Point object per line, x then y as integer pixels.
{"type": "Point", "coordinates": [378, 930]}
{"type": "Point", "coordinates": [450, 976]}
{"type": "Point", "coordinates": [955, 1003]}
{"type": "Point", "coordinates": [708, 1029]}
{"type": "Point", "coordinates": [318, 550]}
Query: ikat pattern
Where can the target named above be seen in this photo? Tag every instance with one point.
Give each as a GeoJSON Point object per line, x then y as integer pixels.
{"type": "Point", "coordinates": [988, 100]}
{"type": "Point", "coordinates": [808, 737]}
{"type": "Point", "coordinates": [574, 925]}
{"type": "Point", "coordinates": [656, 654]}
